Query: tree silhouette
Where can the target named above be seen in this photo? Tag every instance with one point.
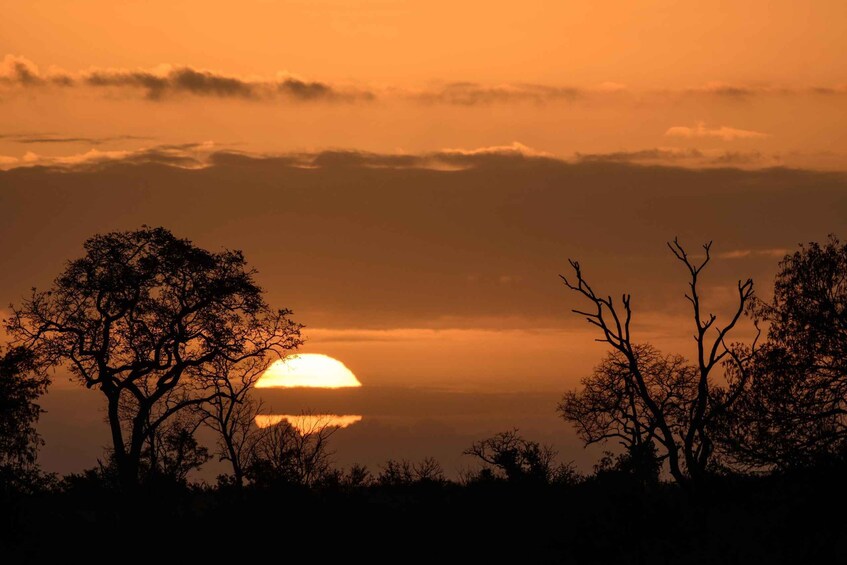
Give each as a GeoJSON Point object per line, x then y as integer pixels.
{"type": "Point", "coordinates": [403, 472]}
{"type": "Point", "coordinates": [796, 411]}
{"type": "Point", "coordinates": [139, 317]}
{"type": "Point", "coordinates": [172, 450]}
{"type": "Point", "coordinates": [688, 444]}
{"type": "Point", "coordinates": [232, 411]}
{"type": "Point", "coordinates": [285, 454]}
{"type": "Point", "coordinates": [509, 456]}
{"type": "Point", "coordinates": [610, 407]}
{"type": "Point", "coordinates": [21, 384]}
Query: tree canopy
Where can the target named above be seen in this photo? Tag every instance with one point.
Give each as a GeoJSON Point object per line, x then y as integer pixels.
{"type": "Point", "coordinates": [796, 409]}
{"type": "Point", "coordinates": [141, 316]}
{"type": "Point", "coordinates": [21, 384]}
{"type": "Point", "coordinates": [661, 398]}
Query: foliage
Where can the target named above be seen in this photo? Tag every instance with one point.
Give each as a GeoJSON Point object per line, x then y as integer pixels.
{"type": "Point", "coordinates": [796, 409]}
{"type": "Point", "coordinates": [510, 457]}
{"type": "Point", "coordinates": [285, 454]}
{"type": "Point", "coordinates": [21, 384]}
{"type": "Point", "coordinates": [609, 406]}
{"type": "Point", "coordinates": [139, 317]}
{"type": "Point", "coordinates": [172, 450]}
{"type": "Point", "coordinates": [660, 398]}
{"type": "Point", "coordinates": [404, 472]}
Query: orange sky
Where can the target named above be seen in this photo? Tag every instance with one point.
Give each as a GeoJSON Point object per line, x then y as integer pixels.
{"type": "Point", "coordinates": [410, 177]}
{"type": "Point", "coordinates": [756, 83]}
{"type": "Point", "coordinates": [434, 88]}
{"type": "Point", "coordinates": [645, 44]}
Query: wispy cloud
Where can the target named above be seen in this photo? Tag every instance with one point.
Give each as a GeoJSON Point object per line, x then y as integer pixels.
{"type": "Point", "coordinates": [657, 154]}
{"type": "Point", "coordinates": [23, 72]}
{"type": "Point", "coordinates": [204, 154]}
{"type": "Point", "coordinates": [744, 253]}
{"type": "Point", "coordinates": [36, 138]}
{"type": "Point", "coordinates": [167, 81]}
{"type": "Point", "coordinates": [448, 159]}
{"type": "Point", "coordinates": [690, 157]}
{"type": "Point", "coordinates": [189, 156]}
{"type": "Point", "coordinates": [723, 132]}
{"type": "Point", "coordinates": [742, 92]}
{"type": "Point", "coordinates": [727, 90]}
{"type": "Point", "coordinates": [472, 94]}
{"type": "Point", "coordinates": [514, 148]}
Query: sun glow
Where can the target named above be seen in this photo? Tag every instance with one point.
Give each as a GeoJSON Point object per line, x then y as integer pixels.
{"type": "Point", "coordinates": [308, 370]}
{"type": "Point", "coordinates": [307, 423]}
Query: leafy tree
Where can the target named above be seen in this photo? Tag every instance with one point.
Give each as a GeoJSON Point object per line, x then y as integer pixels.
{"type": "Point", "coordinates": [286, 454]}
{"type": "Point", "coordinates": [796, 410]}
{"type": "Point", "coordinates": [510, 457]}
{"type": "Point", "coordinates": [357, 477]}
{"type": "Point", "coordinates": [610, 407]}
{"type": "Point", "coordinates": [686, 427]}
{"type": "Point", "coordinates": [21, 384]}
{"type": "Point", "coordinates": [172, 450]}
{"type": "Point", "coordinates": [139, 317]}
{"type": "Point", "coordinates": [403, 472]}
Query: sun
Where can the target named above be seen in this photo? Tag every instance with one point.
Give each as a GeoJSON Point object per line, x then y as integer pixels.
{"type": "Point", "coordinates": [308, 370]}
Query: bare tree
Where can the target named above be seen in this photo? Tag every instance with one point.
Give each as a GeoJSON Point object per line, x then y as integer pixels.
{"type": "Point", "coordinates": [231, 412]}
{"type": "Point", "coordinates": [609, 406]}
{"type": "Point", "coordinates": [688, 445]}
{"type": "Point", "coordinates": [295, 454]}
{"type": "Point", "coordinates": [138, 317]}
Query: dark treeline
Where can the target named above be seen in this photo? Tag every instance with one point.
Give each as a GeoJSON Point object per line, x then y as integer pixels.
{"type": "Point", "coordinates": [736, 456]}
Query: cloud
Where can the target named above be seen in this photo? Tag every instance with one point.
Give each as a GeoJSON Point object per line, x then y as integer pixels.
{"type": "Point", "coordinates": [167, 81]}
{"type": "Point", "coordinates": [514, 148]}
{"type": "Point", "coordinates": [727, 90]}
{"type": "Point", "coordinates": [187, 156]}
{"type": "Point", "coordinates": [740, 158]}
{"type": "Point", "coordinates": [201, 83]}
{"type": "Point", "coordinates": [658, 154]}
{"type": "Point", "coordinates": [203, 154]}
{"type": "Point", "coordinates": [15, 70]}
{"type": "Point", "coordinates": [407, 236]}
{"type": "Point", "coordinates": [723, 132]}
{"type": "Point", "coordinates": [36, 138]}
{"type": "Point", "coordinates": [830, 90]}
{"type": "Point", "coordinates": [777, 253]}
{"type": "Point", "coordinates": [472, 94]}
{"type": "Point", "coordinates": [687, 157]}
{"type": "Point", "coordinates": [442, 160]}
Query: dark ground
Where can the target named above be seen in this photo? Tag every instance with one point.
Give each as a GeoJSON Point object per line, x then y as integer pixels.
{"type": "Point", "coordinates": [793, 519]}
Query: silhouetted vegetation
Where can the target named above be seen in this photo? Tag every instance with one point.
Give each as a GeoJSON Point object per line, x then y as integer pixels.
{"type": "Point", "coordinates": [662, 400]}
{"type": "Point", "coordinates": [231, 411]}
{"type": "Point", "coordinates": [736, 457]}
{"type": "Point", "coordinates": [21, 384]}
{"type": "Point", "coordinates": [284, 454]}
{"type": "Point", "coordinates": [510, 457]}
{"type": "Point", "coordinates": [141, 317]}
{"type": "Point", "coordinates": [794, 412]}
